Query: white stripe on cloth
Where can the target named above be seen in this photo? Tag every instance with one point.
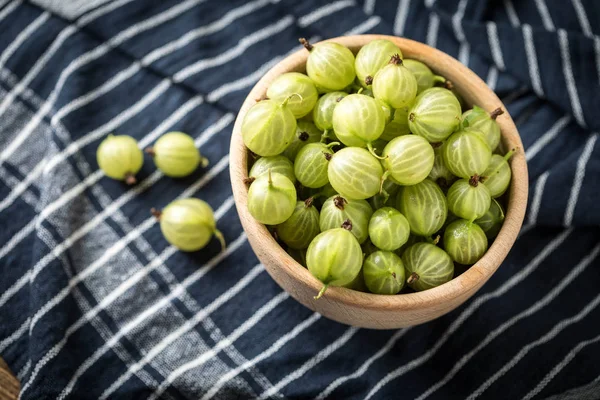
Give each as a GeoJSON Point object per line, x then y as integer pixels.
{"type": "Point", "coordinates": [492, 77]}
{"type": "Point", "coordinates": [360, 371]}
{"type": "Point", "coordinates": [579, 176]}
{"type": "Point", "coordinates": [582, 17]}
{"type": "Point", "coordinates": [14, 336]}
{"type": "Point", "coordinates": [464, 52]}
{"type": "Point", "coordinates": [324, 11]}
{"type": "Point", "coordinates": [560, 366]}
{"type": "Point", "coordinates": [563, 41]}
{"type": "Point", "coordinates": [128, 284]}
{"type": "Point", "coordinates": [275, 347]}
{"type": "Point", "coordinates": [512, 14]}
{"type": "Point", "coordinates": [79, 62]}
{"type": "Point", "coordinates": [457, 20]}
{"type": "Point", "coordinates": [588, 391]}
{"type": "Point", "coordinates": [543, 302]}
{"type": "Point", "coordinates": [538, 193]}
{"type": "Point", "coordinates": [478, 302]}
{"type": "Point", "coordinates": [597, 51]}
{"type": "Point", "coordinates": [21, 38]}
{"type": "Point", "coordinates": [401, 15]}
{"type": "Point", "coordinates": [369, 7]}
{"type": "Point", "coordinates": [494, 42]}
{"type": "Point", "coordinates": [545, 15]}
{"type": "Point", "coordinates": [532, 62]}
{"type": "Point", "coordinates": [312, 362]}
{"type": "Point", "coordinates": [236, 51]}
{"type": "Point", "coordinates": [21, 374]}
{"type": "Point", "coordinates": [366, 26]}
{"type": "Point", "coordinates": [433, 29]}
{"type": "Point", "coordinates": [9, 8]}
{"type": "Point", "coordinates": [228, 341]}
{"type": "Point", "coordinates": [545, 338]}
{"type": "Point", "coordinates": [547, 137]}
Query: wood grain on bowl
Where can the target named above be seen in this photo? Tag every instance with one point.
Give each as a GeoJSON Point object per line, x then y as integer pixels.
{"type": "Point", "coordinates": [365, 309]}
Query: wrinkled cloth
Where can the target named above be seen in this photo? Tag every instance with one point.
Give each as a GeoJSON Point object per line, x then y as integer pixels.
{"type": "Point", "coordinates": [94, 303]}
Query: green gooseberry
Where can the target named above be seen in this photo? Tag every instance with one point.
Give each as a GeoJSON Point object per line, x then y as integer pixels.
{"type": "Point", "coordinates": [388, 229]}
{"type": "Point", "coordinates": [306, 132]}
{"type": "Point", "coordinates": [424, 76]}
{"type": "Point", "coordinates": [425, 207]}
{"type": "Point", "coordinates": [301, 227]}
{"type": "Point", "coordinates": [119, 157]}
{"type": "Point", "coordinates": [468, 198]}
{"type": "Point", "coordinates": [330, 65]}
{"type": "Point", "coordinates": [491, 221]}
{"type": "Point", "coordinates": [337, 211]}
{"type": "Point", "coordinates": [427, 266]}
{"type": "Point", "coordinates": [440, 173]}
{"type": "Point", "coordinates": [465, 241]}
{"type": "Point", "coordinates": [358, 120]}
{"type": "Point", "coordinates": [498, 174]}
{"type": "Point", "coordinates": [483, 123]}
{"type": "Point", "coordinates": [372, 57]}
{"type": "Point", "coordinates": [412, 239]}
{"type": "Point", "coordinates": [466, 154]}
{"type": "Point", "coordinates": [271, 198]}
{"type": "Point", "coordinates": [311, 164]}
{"type": "Point", "coordinates": [408, 159]}
{"type": "Point", "coordinates": [299, 255]}
{"type": "Point", "coordinates": [294, 83]}
{"type": "Point", "coordinates": [334, 257]}
{"type": "Point", "coordinates": [368, 247]}
{"type": "Point", "coordinates": [268, 128]}
{"type": "Point", "coordinates": [357, 283]}
{"type": "Point", "coordinates": [355, 173]}
{"type": "Point", "coordinates": [387, 112]}
{"type": "Point", "coordinates": [188, 224]}
{"type": "Point", "coordinates": [384, 273]}
{"type": "Point", "coordinates": [434, 115]}
{"type": "Point", "coordinates": [398, 126]}
{"type": "Point", "coordinates": [386, 197]}
{"type": "Point", "coordinates": [176, 155]}
{"type": "Point", "coordinates": [277, 164]}
{"type": "Point", "coordinates": [395, 84]}
{"type": "Point", "coordinates": [323, 111]}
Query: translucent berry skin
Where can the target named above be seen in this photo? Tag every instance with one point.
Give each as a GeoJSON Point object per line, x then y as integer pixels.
{"type": "Point", "coordinates": [395, 85]}
{"type": "Point", "coordinates": [481, 122]}
{"type": "Point", "coordinates": [434, 115]}
{"type": "Point", "coordinates": [355, 173]}
{"type": "Point", "coordinates": [409, 159]}
{"type": "Point", "coordinates": [368, 247]}
{"type": "Point", "coordinates": [497, 176]}
{"type": "Point", "coordinates": [398, 126]}
{"type": "Point", "coordinates": [334, 257]}
{"type": "Point", "coordinates": [176, 155]}
{"type": "Point", "coordinates": [388, 229]}
{"type": "Point", "coordinates": [468, 201]}
{"type": "Point", "coordinates": [465, 242]}
{"type": "Point", "coordinates": [384, 273]}
{"type": "Point", "coordinates": [268, 128]}
{"type": "Point", "coordinates": [357, 283]}
{"type": "Point", "coordinates": [491, 221]}
{"type": "Point", "coordinates": [278, 164]}
{"type": "Point", "coordinates": [188, 224]}
{"type": "Point", "coordinates": [306, 132]}
{"type": "Point", "coordinates": [425, 207]}
{"type": "Point", "coordinates": [271, 200]}
{"type": "Point", "coordinates": [387, 111]}
{"type": "Point", "coordinates": [422, 74]}
{"type": "Point", "coordinates": [311, 165]}
{"type": "Point", "coordinates": [432, 266]}
{"type": "Point", "coordinates": [301, 227]}
{"type": "Point", "coordinates": [298, 255]}
{"type": "Point", "coordinates": [412, 239]}
{"type": "Point", "coordinates": [372, 57]}
{"type": "Point", "coordinates": [323, 111]}
{"type": "Point", "coordinates": [439, 170]}
{"type": "Point", "coordinates": [358, 120]}
{"type": "Point", "coordinates": [466, 154]}
{"type": "Point", "coordinates": [119, 157]}
{"type": "Point", "coordinates": [330, 66]}
{"type": "Point", "coordinates": [336, 210]}
{"type": "Point", "coordinates": [291, 83]}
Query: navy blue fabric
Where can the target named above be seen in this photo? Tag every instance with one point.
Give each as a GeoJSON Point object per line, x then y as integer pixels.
{"type": "Point", "coordinates": [95, 304]}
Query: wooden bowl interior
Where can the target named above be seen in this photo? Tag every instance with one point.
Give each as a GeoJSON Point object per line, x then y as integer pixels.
{"type": "Point", "coordinates": [365, 309]}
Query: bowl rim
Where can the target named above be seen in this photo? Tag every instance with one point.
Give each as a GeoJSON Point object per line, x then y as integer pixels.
{"type": "Point", "coordinates": [469, 280]}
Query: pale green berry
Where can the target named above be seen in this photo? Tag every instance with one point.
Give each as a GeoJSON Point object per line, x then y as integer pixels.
{"type": "Point", "coordinates": [388, 229]}
{"type": "Point", "coordinates": [395, 84]}
{"type": "Point", "coordinates": [268, 128]}
{"type": "Point", "coordinates": [294, 83]}
{"type": "Point", "coordinates": [434, 115]}
{"type": "Point", "coordinates": [408, 159]}
{"type": "Point", "coordinates": [425, 207]}
{"type": "Point", "coordinates": [427, 266]}
{"type": "Point", "coordinates": [483, 123]}
{"type": "Point", "coordinates": [372, 57]}
{"type": "Point", "coordinates": [398, 126]}
{"type": "Point", "coordinates": [492, 220]}
{"type": "Point", "coordinates": [277, 164]}
{"type": "Point", "coordinates": [311, 164]}
{"type": "Point", "coordinates": [119, 157]}
{"type": "Point", "coordinates": [358, 120]}
{"type": "Point", "coordinates": [355, 214]}
{"type": "Point", "coordinates": [468, 198]}
{"type": "Point", "coordinates": [465, 242]}
{"type": "Point", "coordinates": [466, 154]}
{"type": "Point", "coordinates": [384, 273]}
{"type": "Point", "coordinates": [306, 132]}
{"type": "Point", "coordinates": [271, 198]}
{"type": "Point", "coordinates": [323, 111]}
{"type": "Point", "coordinates": [176, 155]}
{"type": "Point", "coordinates": [498, 174]}
{"type": "Point", "coordinates": [355, 173]}
{"type": "Point", "coordinates": [330, 65]}
{"type": "Point", "coordinates": [301, 227]}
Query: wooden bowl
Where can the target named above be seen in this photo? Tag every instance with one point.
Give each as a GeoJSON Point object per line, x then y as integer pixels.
{"type": "Point", "coordinates": [365, 309]}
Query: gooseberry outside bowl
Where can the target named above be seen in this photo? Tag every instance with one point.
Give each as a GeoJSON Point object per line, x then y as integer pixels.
{"type": "Point", "coordinates": [365, 309]}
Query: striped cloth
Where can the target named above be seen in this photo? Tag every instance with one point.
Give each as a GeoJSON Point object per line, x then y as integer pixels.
{"type": "Point", "coordinates": [95, 304]}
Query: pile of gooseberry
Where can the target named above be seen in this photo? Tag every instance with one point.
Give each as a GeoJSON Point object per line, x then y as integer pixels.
{"type": "Point", "coordinates": [369, 173]}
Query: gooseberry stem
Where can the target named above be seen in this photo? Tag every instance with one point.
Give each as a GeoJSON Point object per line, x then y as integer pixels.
{"type": "Point", "coordinates": [287, 99]}
{"type": "Point", "coordinates": [221, 238]}
{"type": "Point", "coordinates": [156, 213]}
{"type": "Point", "coordinates": [150, 151]}
{"type": "Point", "coordinates": [384, 177]}
{"type": "Point", "coordinates": [474, 180]}
{"type": "Point", "coordinates": [347, 225]}
{"type": "Point", "coordinates": [306, 44]}
{"type": "Point", "coordinates": [413, 278]}
{"type": "Point", "coordinates": [396, 60]}
{"type": "Point", "coordinates": [438, 79]}
{"type": "Point", "coordinates": [130, 179]}
{"type": "Point", "coordinates": [330, 145]}
{"type": "Point", "coordinates": [372, 151]}
{"type": "Point", "coordinates": [448, 84]}
{"type": "Point", "coordinates": [309, 202]}
{"type": "Point", "coordinates": [339, 202]}
{"type": "Point", "coordinates": [510, 153]}
{"type": "Point", "coordinates": [324, 136]}
{"type": "Point", "coordinates": [497, 112]}
{"type": "Point", "coordinates": [204, 162]}
{"type": "Point", "coordinates": [322, 291]}
{"type": "Point", "coordinates": [506, 157]}
{"type": "Point", "coordinates": [249, 180]}
{"type": "Point", "coordinates": [303, 136]}
{"type": "Point", "coordinates": [270, 179]}
{"type": "Point", "coordinates": [361, 89]}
